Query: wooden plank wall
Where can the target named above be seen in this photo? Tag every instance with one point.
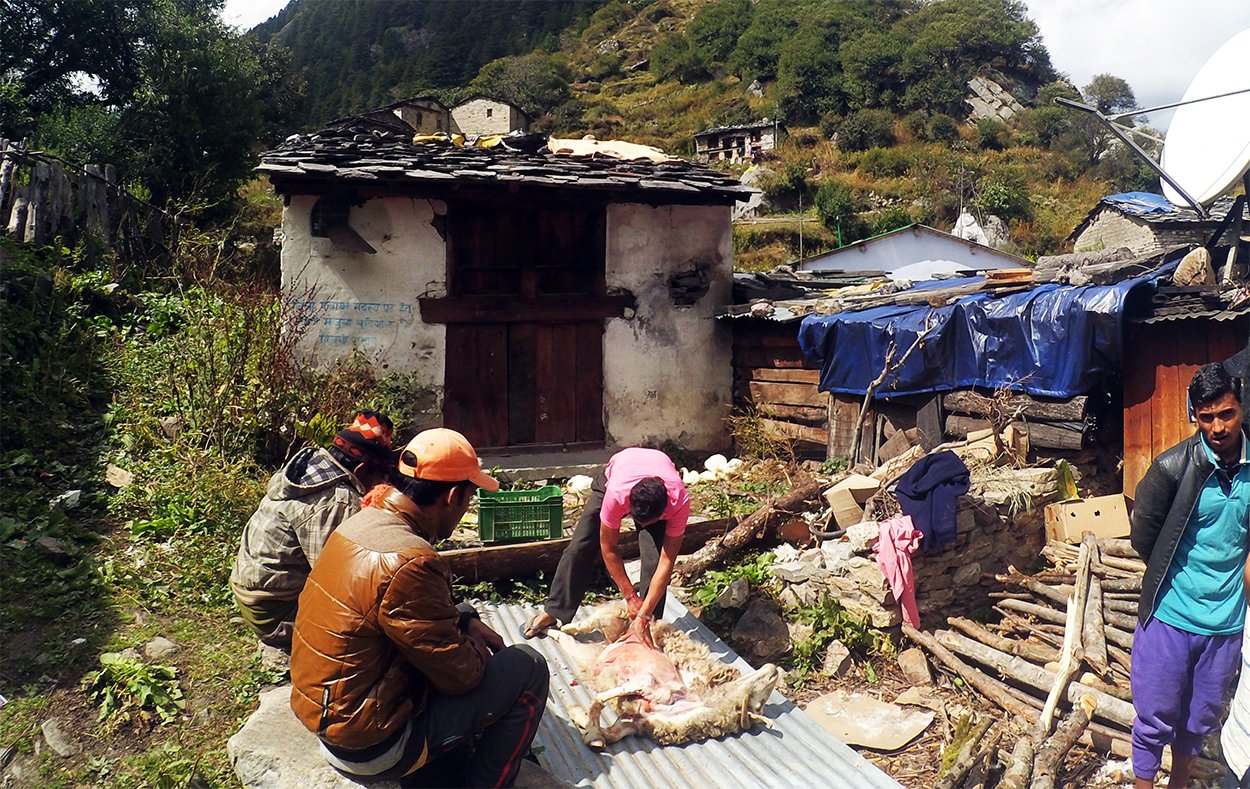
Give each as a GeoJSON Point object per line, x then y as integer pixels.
{"type": "Point", "coordinates": [774, 379]}
{"type": "Point", "coordinates": [1159, 362]}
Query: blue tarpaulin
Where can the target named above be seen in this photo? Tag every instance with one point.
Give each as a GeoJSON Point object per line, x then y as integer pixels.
{"type": "Point", "coordinates": [1052, 340]}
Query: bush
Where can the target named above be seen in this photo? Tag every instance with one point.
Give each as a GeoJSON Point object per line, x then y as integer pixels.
{"type": "Point", "coordinates": [866, 129]}
{"type": "Point", "coordinates": [674, 57]}
{"type": "Point", "coordinates": [1005, 193]}
{"type": "Point", "coordinates": [943, 128]}
{"type": "Point", "coordinates": [992, 135]}
{"type": "Point", "coordinates": [889, 218]}
{"type": "Point", "coordinates": [789, 186]}
{"type": "Point", "coordinates": [605, 64]}
{"type": "Point", "coordinates": [837, 211]}
{"type": "Point", "coordinates": [916, 125]}
{"type": "Point", "coordinates": [885, 162]}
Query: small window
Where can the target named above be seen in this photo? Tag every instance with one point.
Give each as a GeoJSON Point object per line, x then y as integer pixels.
{"type": "Point", "coordinates": [489, 112]}
{"type": "Point", "coordinates": [327, 213]}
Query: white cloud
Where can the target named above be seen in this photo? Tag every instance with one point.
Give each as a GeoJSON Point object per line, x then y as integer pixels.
{"type": "Point", "coordinates": [1157, 46]}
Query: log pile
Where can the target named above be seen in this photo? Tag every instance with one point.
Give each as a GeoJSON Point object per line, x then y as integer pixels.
{"type": "Point", "coordinates": [1063, 645]}
{"type": "Point", "coordinates": [1064, 425]}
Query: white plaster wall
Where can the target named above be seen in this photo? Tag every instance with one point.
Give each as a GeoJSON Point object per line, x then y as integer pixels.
{"type": "Point", "coordinates": [356, 300]}
{"type": "Point", "coordinates": [667, 369]}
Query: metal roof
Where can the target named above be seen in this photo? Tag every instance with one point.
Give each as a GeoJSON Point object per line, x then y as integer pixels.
{"type": "Point", "coordinates": [794, 752]}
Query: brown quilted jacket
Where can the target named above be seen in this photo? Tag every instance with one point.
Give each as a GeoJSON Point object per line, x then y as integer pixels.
{"type": "Point", "coordinates": [375, 630]}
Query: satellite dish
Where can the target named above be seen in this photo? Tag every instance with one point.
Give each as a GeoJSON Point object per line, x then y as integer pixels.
{"type": "Point", "coordinates": [1207, 147]}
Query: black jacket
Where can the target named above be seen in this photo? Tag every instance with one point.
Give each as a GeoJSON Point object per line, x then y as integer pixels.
{"type": "Point", "coordinates": [1166, 497]}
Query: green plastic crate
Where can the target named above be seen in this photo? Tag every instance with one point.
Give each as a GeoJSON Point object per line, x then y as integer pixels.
{"type": "Point", "coordinates": [521, 515]}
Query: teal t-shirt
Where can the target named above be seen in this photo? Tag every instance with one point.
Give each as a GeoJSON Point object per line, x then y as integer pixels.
{"type": "Point", "coordinates": [1203, 591]}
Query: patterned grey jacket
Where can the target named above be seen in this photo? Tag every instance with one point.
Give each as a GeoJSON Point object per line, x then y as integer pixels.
{"type": "Point", "coordinates": [305, 501]}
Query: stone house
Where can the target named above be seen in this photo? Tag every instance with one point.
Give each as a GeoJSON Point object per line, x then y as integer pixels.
{"type": "Point", "coordinates": [734, 143]}
{"type": "Point", "coordinates": [536, 300]}
{"type": "Point", "coordinates": [486, 115]}
{"type": "Point", "coordinates": [415, 115]}
{"type": "Point", "coordinates": [1145, 223]}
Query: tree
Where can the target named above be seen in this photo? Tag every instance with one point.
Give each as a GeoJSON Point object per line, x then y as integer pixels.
{"type": "Point", "coordinates": [809, 77]}
{"type": "Point", "coordinates": [160, 88]}
{"type": "Point", "coordinates": [949, 41]}
{"type": "Point", "coordinates": [538, 83]}
{"type": "Point", "coordinates": [1110, 94]}
{"type": "Point", "coordinates": [715, 29]}
{"type": "Point", "coordinates": [674, 57]}
{"type": "Point", "coordinates": [758, 49]}
{"type": "Point", "coordinates": [870, 67]}
{"type": "Point", "coordinates": [836, 208]}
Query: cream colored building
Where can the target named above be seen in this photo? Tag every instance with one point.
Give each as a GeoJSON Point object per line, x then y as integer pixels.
{"type": "Point", "coordinates": [531, 302]}
{"type": "Point", "coordinates": [484, 115]}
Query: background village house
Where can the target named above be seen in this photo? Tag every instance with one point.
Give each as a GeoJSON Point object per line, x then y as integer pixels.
{"type": "Point", "coordinates": [486, 115]}
{"type": "Point", "coordinates": [542, 300]}
{"type": "Point", "coordinates": [1144, 223]}
{"type": "Point", "coordinates": [736, 143]}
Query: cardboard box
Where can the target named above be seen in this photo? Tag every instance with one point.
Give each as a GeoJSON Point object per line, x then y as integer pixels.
{"type": "Point", "coordinates": [1105, 516]}
{"type": "Point", "coordinates": [847, 499]}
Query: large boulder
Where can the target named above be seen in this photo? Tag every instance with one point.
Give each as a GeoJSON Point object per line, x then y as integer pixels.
{"type": "Point", "coordinates": [763, 634]}
{"type": "Point", "coordinates": [273, 750]}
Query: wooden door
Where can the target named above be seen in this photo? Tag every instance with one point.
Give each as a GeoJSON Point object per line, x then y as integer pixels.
{"type": "Point", "coordinates": [1160, 360]}
{"type": "Point", "coordinates": [524, 324]}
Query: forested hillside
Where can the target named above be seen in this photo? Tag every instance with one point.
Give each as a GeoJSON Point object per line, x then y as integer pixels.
{"type": "Point", "coordinates": [873, 95]}
{"type": "Point", "coordinates": [366, 53]}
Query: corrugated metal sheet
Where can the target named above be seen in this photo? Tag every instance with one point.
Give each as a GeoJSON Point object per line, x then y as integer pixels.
{"type": "Point", "coordinates": [794, 752]}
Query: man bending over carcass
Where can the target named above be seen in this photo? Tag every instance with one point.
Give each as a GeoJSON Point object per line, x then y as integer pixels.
{"type": "Point", "coordinates": [644, 484]}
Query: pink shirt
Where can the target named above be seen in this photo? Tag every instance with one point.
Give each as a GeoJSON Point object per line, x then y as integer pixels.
{"type": "Point", "coordinates": [626, 469]}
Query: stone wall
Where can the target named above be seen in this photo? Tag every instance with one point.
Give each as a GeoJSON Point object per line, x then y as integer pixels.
{"type": "Point", "coordinates": [991, 536]}
{"type": "Point", "coordinates": [1109, 229]}
{"type": "Point", "coordinates": [486, 116]}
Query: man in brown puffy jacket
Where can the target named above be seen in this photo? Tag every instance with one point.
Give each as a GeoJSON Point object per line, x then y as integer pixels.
{"type": "Point", "coordinates": [385, 668]}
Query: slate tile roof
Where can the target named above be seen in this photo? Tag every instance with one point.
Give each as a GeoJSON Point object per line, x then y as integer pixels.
{"type": "Point", "coordinates": [367, 149]}
{"type": "Point", "coordinates": [1156, 209]}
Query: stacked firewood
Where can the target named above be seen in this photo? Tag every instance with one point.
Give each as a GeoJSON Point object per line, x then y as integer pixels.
{"type": "Point", "coordinates": [1064, 640]}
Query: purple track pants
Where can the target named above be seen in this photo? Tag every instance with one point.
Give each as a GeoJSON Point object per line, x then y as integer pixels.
{"type": "Point", "coordinates": [1181, 682]}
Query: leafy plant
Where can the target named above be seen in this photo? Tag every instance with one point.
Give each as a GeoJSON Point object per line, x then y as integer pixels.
{"type": "Point", "coordinates": [830, 622]}
{"type": "Point", "coordinates": [126, 687]}
{"type": "Point", "coordinates": [833, 466]}
{"type": "Point", "coordinates": [755, 570]}
{"type": "Point", "coordinates": [752, 439]}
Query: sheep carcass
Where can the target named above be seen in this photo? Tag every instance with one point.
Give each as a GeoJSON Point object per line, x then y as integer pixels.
{"type": "Point", "coordinates": [675, 694]}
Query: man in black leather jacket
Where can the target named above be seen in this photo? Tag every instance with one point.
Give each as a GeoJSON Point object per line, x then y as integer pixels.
{"type": "Point", "coordinates": [1190, 525]}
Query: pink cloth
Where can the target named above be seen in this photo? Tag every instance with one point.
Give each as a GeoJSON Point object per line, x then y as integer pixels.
{"type": "Point", "coordinates": [624, 471]}
{"type": "Point", "coordinates": [896, 542]}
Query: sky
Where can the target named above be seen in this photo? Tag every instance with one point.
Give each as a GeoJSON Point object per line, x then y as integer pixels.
{"type": "Point", "coordinates": [1157, 46]}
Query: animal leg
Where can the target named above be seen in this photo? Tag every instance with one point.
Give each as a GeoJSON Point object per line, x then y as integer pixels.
{"type": "Point", "coordinates": [593, 733]}
{"type": "Point", "coordinates": [624, 727]}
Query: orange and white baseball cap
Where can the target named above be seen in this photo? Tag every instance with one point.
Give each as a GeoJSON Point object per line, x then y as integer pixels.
{"type": "Point", "coordinates": [443, 455]}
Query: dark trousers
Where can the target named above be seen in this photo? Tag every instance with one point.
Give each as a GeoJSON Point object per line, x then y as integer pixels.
{"type": "Point", "coordinates": [480, 737]}
{"type": "Point", "coordinates": [582, 559]}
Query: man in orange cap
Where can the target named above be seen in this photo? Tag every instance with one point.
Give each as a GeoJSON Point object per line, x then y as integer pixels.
{"type": "Point", "coordinates": [316, 491]}
{"type": "Point", "coordinates": [386, 669]}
